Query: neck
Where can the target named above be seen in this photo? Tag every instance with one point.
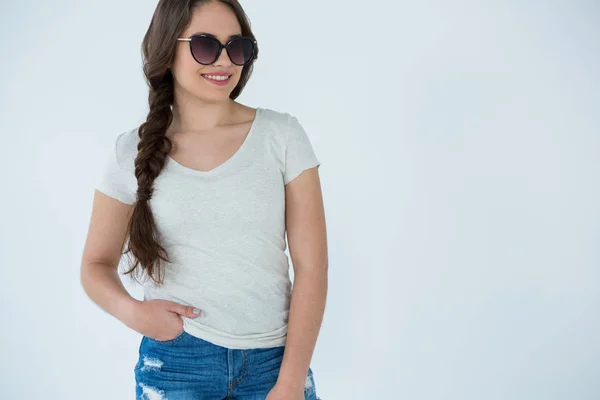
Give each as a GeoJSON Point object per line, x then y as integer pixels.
{"type": "Point", "coordinates": [193, 114]}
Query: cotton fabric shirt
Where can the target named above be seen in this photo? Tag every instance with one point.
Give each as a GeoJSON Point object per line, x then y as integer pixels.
{"type": "Point", "coordinates": [224, 230]}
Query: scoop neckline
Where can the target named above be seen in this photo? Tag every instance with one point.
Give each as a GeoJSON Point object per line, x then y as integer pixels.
{"type": "Point", "coordinates": [176, 165]}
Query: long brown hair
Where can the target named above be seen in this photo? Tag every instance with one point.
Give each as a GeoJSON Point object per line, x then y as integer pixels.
{"type": "Point", "coordinates": [170, 19]}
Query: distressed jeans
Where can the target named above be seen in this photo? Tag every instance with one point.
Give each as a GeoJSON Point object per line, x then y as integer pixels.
{"type": "Point", "coordinates": [188, 367]}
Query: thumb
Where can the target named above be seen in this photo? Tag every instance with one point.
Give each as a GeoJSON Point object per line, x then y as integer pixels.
{"type": "Point", "coordinates": [186, 311]}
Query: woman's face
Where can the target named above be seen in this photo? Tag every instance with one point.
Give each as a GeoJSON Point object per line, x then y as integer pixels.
{"type": "Point", "coordinates": [219, 20]}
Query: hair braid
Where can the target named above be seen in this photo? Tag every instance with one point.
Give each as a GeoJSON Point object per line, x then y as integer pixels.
{"type": "Point", "coordinates": [153, 148]}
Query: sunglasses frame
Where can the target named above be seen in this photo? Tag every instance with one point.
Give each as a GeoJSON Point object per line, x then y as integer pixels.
{"type": "Point", "coordinates": [221, 47]}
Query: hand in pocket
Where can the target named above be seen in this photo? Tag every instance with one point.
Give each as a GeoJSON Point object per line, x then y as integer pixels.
{"type": "Point", "coordinates": [161, 319]}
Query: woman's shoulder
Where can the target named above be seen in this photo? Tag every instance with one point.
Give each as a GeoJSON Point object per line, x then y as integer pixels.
{"type": "Point", "coordinates": [274, 112]}
{"type": "Point", "coordinates": [277, 119]}
{"type": "Point", "coordinates": [126, 144]}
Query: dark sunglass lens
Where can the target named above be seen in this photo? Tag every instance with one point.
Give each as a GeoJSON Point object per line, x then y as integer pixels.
{"type": "Point", "coordinates": [204, 49]}
{"type": "Point", "coordinates": [240, 50]}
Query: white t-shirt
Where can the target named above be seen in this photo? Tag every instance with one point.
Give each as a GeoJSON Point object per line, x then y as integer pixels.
{"type": "Point", "coordinates": [224, 231]}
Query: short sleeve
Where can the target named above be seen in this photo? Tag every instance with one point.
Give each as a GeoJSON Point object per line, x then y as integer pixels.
{"type": "Point", "coordinates": [299, 152]}
{"type": "Point", "coordinates": [115, 180]}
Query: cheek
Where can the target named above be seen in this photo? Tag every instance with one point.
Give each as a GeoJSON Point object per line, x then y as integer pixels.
{"type": "Point", "coordinates": [184, 63]}
{"type": "Point", "coordinates": [187, 72]}
{"type": "Point", "coordinates": [237, 76]}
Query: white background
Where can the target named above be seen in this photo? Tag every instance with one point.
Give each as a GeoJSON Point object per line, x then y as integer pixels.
{"type": "Point", "coordinates": [460, 150]}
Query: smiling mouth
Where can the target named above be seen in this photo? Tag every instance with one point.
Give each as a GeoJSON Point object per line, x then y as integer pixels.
{"type": "Point", "coordinates": [217, 78]}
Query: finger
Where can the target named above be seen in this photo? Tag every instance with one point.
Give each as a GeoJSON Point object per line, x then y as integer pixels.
{"type": "Point", "coordinates": [187, 311]}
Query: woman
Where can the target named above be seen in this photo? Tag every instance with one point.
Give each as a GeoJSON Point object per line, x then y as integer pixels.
{"type": "Point", "coordinates": [204, 192]}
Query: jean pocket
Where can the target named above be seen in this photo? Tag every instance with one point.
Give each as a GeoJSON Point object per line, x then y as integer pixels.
{"type": "Point", "coordinates": [177, 338]}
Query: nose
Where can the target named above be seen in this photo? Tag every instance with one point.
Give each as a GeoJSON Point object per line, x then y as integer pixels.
{"type": "Point", "coordinates": [223, 58]}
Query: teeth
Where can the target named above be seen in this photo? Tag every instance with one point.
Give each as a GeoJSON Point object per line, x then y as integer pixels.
{"type": "Point", "coordinates": [217, 77]}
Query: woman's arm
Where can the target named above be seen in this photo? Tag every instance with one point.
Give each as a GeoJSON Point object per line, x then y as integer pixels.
{"type": "Point", "coordinates": [307, 239]}
{"type": "Point", "coordinates": [101, 256]}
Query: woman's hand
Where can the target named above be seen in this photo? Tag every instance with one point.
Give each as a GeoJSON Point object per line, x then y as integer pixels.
{"type": "Point", "coordinates": [284, 393]}
{"type": "Point", "coordinates": [159, 319]}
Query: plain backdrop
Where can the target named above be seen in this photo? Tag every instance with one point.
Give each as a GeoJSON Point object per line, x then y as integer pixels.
{"type": "Point", "coordinates": [460, 150]}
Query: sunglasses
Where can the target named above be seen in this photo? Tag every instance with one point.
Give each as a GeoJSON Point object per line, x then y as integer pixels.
{"type": "Point", "coordinates": [206, 48]}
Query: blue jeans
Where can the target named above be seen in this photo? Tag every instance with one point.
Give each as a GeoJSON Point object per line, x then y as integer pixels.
{"type": "Point", "coordinates": [188, 367]}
